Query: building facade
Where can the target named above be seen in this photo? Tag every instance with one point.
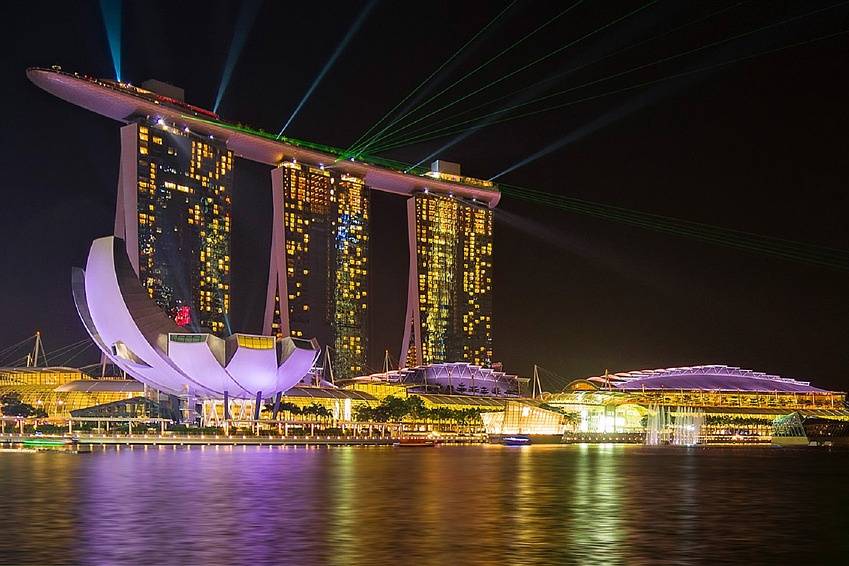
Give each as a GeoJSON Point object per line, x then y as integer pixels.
{"type": "Point", "coordinates": [449, 302]}
{"type": "Point", "coordinates": [318, 276]}
{"type": "Point", "coordinates": [174, 213]}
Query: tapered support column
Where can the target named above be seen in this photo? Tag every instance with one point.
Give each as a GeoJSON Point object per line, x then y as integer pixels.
{"type": "Point", "coordinates": [277, 279]}
{"type": "Point", "coordinates": [277, 399]}
{"type": "Point", "coordinates": [257, 405]}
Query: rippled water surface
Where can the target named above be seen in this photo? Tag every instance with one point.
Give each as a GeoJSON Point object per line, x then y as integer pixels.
{"type": "Point", "coordinates": [446, 505]}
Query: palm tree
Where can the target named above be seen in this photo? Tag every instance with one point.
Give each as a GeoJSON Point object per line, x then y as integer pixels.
{"type": "Point", "coordinates": [572, 419]}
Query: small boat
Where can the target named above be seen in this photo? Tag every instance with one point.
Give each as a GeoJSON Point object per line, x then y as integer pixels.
{"type": "Point", "coordinates": [50, 441]}
{"type": "Point", "coordinates": [422, 442]}
{"type": "Point", "coordinates": [516, 440]}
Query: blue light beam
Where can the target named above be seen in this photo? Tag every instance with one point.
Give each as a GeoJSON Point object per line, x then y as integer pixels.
{"type": "Point", "coordinates": [599, 123]}
{"type": "Point", "coordinates": [111, 12]}
{"type": "Point", "coordinates": [327, 66]}
{"type": "Point", "coordinates": [248, 11]}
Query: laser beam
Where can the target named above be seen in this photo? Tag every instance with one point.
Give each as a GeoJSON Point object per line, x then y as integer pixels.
{"type": "Point", "coordinates": [248, 11]}
{"type": "Point", "coordinates": [327, 66]}
{"type": "Point", "coordinates": [529, 65]}
{"type": "Point", "coordinates": [534, 88]}
{"type": "Point", "coordinates": [585, 130]}
{"type": "Point", "coordinates": [474, 71]}
{"type": "Point", "coordinates": [453, 129]}
{"type": "Point", "coordinates": [111, 12]}
{"type": "Point", "coordinates": [433, 74]}
{"type": "Point", "coordinates": [747, 241]}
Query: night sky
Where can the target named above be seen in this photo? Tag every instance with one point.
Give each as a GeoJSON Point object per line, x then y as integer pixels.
{"type": "Point", "coordinates": [760, 145]}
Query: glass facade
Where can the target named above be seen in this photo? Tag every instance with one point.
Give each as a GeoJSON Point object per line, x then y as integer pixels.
{"type": "Point", "coordinates": [184, 185]}
{"type": "Point", "coordinates": [451, 285]}
{"type": "Point", "coordinates": [326, 243]}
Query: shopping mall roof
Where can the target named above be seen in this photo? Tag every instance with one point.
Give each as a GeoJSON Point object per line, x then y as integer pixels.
{"type": "Point", "coordinates": [705, 378]}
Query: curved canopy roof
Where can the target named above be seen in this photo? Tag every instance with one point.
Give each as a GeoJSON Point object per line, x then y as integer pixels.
{"type": "Point", "coordinates": [707, 378]}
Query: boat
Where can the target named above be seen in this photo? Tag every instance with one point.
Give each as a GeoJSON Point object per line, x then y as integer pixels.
{"type": "Point", "coordinates": [415, 442]}
{"type": "Point", "coordinates": [516, 440]}
{"type": "Point", "coordinates": [50, 441]}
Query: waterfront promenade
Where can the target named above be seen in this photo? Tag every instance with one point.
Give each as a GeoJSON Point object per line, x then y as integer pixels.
{"type": "Point", "coordinates": [122, 431]}
{"type": "Point", "coordinates": [206, 440]}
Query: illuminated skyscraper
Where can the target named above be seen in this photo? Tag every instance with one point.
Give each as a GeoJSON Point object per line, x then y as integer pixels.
{"type": "Point", "coordinates": [174, 214]}
{"type": "Point", "coordinates": [449, 305]}
{"type": "Point", "coordinates": [318, 278]}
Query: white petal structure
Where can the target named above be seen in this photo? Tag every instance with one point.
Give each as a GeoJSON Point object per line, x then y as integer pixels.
{"type": "Point", "coordinates": [133, 332]}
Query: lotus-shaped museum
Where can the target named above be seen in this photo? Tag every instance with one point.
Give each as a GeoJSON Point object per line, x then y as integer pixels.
{"type": "Point", "coordinates": [140, 338]}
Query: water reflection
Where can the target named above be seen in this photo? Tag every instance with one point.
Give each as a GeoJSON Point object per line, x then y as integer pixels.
{"type": "Point", "coordinates": [595, 532]}
{"type": "Point", "coordinates": [475, 504]}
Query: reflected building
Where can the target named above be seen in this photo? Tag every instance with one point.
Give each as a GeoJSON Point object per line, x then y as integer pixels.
{"type": "Point", "coordinates": [449, 299]}
{"type": "Point", "coordinates": [173, 212]}
{"type": "Point", "coordinates": [318, 276]}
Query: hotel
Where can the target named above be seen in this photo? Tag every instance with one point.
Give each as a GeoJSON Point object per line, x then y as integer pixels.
{"type": "Point", "coordinates": [174, 213]}
{"type": "Point", "coordinates": [449, 299]}
{"type": "Point", "coordinates": [318, 274]}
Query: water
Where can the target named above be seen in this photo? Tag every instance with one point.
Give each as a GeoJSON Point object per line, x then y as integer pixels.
{"type": "Point", "coordinates": [447, 505]}
{"type": "Point", "coordinates": [656, 426]}
{"type": "Point", "coordinates": [682, 429]}
{"type": "Point", "coordinates": [688, 426]}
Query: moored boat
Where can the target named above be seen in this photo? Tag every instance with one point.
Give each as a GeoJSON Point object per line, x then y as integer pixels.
{"type": "Point", "coordinates": [50, 441]}
{"type": "Point", "coordinates": [415, 442]}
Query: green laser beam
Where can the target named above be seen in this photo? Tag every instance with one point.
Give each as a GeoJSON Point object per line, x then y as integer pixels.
{"type": "Point", "coordinates": [434, 73]}
{"type": "Point", "coordinates": [701, 236]}
{"type": "Point", "coordinates": [666, 33]}
{"type": "Point", "coordinates": [453, 129]}
{"type": "Point", "coordinates": [677, 225]}
{"type": "Point", "coordinates": [474, 71]}
{"type": "Point", "coordinates": [334, 151]}
{"type": "Point", "coordinates": [653, 63]}
{"type": "Point", "coordinates": [808, 253]}
{"type": "Point", "coordinates": [524, 67]}
{"type": "Point", "coordinates": [839, 253]}
{"type": "Point", "coordinates": [829, 257]}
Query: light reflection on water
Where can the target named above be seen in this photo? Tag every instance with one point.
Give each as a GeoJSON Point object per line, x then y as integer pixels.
{"type": "Point", "coordinates": [473, 504]}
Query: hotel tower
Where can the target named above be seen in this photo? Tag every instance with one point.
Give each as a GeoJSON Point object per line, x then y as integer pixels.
{"type": "Point", "coordinates": [449, 299]}
{"type": "Point", "coordinates": [318, 276]}
{"type": "Point", "coordinates": [173, 212]}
